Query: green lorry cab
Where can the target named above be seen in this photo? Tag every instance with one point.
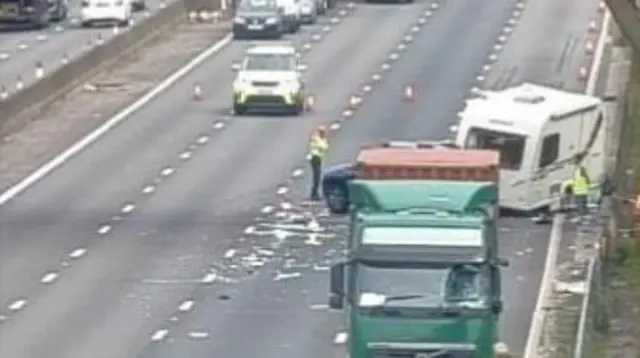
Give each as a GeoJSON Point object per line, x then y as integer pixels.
{"type": "Point", "coordinates": [422, 274]}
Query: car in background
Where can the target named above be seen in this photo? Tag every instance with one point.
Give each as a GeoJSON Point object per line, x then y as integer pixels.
{"type": "Point", "coordinates": [138, 5]}
{"type": "Point", "coordinates": [269, 78]}
{"type": "Point", "coordinates": [258, 19]}
{"type": "Point", "coordinates": [322, 6]}
{"type": "Point", "coordinates": [105, 12]}
{"type": "Point", "coordinates": [58, 10]}
{"type": "Point", "coordinates": [291, 15]}
{"type": "Point", "coordinates": [308, 11]}
{"type": "Point", "coordinates": [33, 13]}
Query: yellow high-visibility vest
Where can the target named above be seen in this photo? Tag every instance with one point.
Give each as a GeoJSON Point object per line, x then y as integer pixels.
{"type": "Point", "coordinates": [318, 146]}
{"type": "Point", "coordinates": [580, 184]}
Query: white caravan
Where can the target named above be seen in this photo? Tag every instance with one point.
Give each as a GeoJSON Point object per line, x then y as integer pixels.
{"type": "Point", "coordinates": [538, 131]}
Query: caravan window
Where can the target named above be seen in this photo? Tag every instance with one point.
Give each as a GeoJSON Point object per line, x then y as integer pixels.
{"type": "Point", "coordinates": [550, 150]}
{"type": "Point", "coordinates": [511, 146]}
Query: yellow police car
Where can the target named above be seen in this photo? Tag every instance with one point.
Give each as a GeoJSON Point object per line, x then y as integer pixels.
{"type": "Point", "coordinates": [269, 78]}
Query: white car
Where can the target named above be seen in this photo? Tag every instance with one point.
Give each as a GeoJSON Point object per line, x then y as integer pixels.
{"type": "Point", "coordinates": [105, 12]}
{"type": "Point", "coordinates": [308, 11]}
{"type": "Point", "coordinates": [291, 14]}
{"type": "Point", "coordinates": [269, 77]}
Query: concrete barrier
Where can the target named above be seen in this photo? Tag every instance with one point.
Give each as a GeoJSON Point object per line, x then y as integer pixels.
{"type": "Point", "coordinates": [26, 105]}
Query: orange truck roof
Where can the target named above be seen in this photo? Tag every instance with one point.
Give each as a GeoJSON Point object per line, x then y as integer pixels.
{"type": "Point", "coordinates": [433, 163]}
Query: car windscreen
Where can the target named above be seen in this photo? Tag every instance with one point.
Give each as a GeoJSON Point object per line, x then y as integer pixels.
{"type": "Point", "coordinates": [257, 6]}
{"type": "Point", "coordinates": [270, 62]}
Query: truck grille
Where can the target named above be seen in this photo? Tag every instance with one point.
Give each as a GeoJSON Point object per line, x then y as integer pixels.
{"type": "Point", "coordinates": [418, 353]}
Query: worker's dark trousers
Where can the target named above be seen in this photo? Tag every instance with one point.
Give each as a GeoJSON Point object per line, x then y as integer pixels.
{"type": "Point", "coordinates": [316, 172]}
{"type": "Point", "coordinates": [582, 202]}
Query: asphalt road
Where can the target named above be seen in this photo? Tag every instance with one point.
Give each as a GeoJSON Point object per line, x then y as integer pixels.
{"type": "Point", "coordinates": [20, 51]}
{"type": "Point", "coordinates": [280, 311]}
{"type": "Point", "coordinates": [168, 238]}
{"type": "Point", "coordinates": [103, 295]}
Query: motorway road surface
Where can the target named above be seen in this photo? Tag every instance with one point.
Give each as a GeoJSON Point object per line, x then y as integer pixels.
{"type": "Point", "coordinates": [20, 51]}
{"type": "Point", "coordinates": [176, 235]}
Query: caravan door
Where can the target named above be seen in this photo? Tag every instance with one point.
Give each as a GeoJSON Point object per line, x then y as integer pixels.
{"type": "Point", "coordinates": [548, 165]}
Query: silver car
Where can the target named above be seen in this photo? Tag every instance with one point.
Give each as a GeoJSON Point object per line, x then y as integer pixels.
{"type": "Point", "coordinates": [308, 11]}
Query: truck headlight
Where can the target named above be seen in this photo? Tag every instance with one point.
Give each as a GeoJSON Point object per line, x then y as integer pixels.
{"type": "Point", "coordinates": [271, 21]}
{"type": "Point", "coordinates": [239, 20]}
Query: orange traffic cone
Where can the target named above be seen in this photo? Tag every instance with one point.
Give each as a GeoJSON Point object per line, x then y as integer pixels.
{"type": "Point", "coordinates": [197, 92]}
{"type": "Point", "coordinates": [409, 93]}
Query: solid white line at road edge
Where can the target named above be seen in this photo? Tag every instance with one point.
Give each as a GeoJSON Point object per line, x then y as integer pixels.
{"type": "Point", "coordinates": [63, 157]}
{"type": "Point", "coordinates": [537, 319]}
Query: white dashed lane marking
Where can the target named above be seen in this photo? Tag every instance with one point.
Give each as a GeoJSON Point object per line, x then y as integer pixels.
{"type": "Point", "coordinates": [267, 209]}
{"type": "Point", "coordinates": [159, 335]}
{"type": "Point", "coordinates": [49, 277]}
{"type": "Point", "coordinates": [186, 306]}
{"type": "Point", "coordinates": [185, 155]}
{"type": "Point", "coordinates": [202, 139]}
{"type": "Point", "coordinates": [198, 335]}
{"type": "Point", "coordinates": [17, 305]}
{"type": "Point", "coordinates": [340, 338]}
{"type": "Point", "coordinates": [167, 171]}
{"type": "Point", "coordinates": [229, 253]}
{"type": "Point", "coordinates": [209, 278]}
{"type": "Point", "coordinates": [78, 253]}
{"type": "Point", "coordinates": [105, 229]}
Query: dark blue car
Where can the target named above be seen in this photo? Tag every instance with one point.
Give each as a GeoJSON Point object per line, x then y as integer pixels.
{"type": "Point", "coordinates": [335, 189]}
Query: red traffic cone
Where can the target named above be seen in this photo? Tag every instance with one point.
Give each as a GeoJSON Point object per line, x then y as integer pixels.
{"type": "Point", "coordinates": [409, 93]}
{"type": "Point", "coordinates": [197, 92]}
{"type": "Point", "coordinates": [310, 103]}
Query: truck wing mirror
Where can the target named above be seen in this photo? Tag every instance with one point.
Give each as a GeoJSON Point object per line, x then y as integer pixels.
{"type": "Point", "coordinates": [337, 273]}
{"type": "Point", "coordinates": [500, 262]}
{"type": "Point", "coordinates": [496, 307]}
{"type": "Point", "coordinates": [336, 302]}
{"type": "Point", "coordinates": [235, 66]}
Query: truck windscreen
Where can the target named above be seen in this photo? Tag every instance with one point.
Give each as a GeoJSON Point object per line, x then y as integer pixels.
{"type": "Point", "coordinates": [425, 287]}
